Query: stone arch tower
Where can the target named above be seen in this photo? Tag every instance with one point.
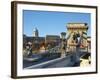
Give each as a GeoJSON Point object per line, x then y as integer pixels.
{"type": "Point", "coordinates": [78, 30]}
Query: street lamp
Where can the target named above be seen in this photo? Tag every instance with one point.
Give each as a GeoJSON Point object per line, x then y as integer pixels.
{"type": "Point", "coordinates": [63, 45]}
{"type": "Point", "coordinates": [63, 35]}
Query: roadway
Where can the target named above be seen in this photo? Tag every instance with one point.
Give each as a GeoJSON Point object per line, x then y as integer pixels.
{"type": "Point", "coordinates": [68, 61]}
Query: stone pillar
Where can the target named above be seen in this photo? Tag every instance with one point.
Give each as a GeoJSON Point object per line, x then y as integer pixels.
{"type": "Point", "coordinates": [63, 44]}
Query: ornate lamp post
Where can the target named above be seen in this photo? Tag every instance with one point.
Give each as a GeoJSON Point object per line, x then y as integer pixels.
{"type": "Point", "coordinates": [63, 45]}
{"type": "Point", "coordinates": [29, 48]}
{"type": "Point", "coordinates": [63, 35]}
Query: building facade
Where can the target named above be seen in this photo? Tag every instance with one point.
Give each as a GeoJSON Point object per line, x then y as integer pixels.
{"type": "Point", "coordinates": [41, 43]}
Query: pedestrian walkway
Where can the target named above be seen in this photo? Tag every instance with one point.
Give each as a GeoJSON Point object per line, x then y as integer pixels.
{"type": "Point", "coordinates": [59, 62]}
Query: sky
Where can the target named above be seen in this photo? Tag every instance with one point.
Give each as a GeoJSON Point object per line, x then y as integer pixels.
{"type": "Point", "coordinates": [52, 23]}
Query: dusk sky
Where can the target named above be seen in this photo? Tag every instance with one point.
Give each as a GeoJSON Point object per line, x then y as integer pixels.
{"type": "Point", "coordinates": [52, 23]}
